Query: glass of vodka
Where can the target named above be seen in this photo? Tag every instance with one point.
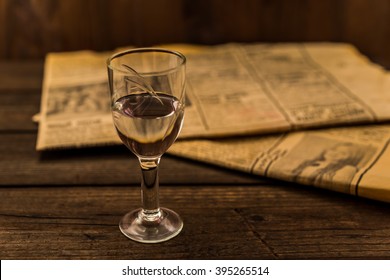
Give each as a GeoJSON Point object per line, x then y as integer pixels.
{"type": "Point", "coordinates": [147, 90]}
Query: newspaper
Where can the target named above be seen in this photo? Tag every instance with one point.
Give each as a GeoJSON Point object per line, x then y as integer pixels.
{"type": "Point", "coordinates": [239, 93]}
{"type": "Point", "coordinates": [352, 160]}
{"type": "Point", "coordinates": [232, 89]}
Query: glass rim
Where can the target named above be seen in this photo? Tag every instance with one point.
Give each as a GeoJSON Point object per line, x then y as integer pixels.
{"type": "Point", "coordinates": [139, 50]}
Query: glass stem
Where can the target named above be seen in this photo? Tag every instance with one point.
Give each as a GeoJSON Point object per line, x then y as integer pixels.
{"type": "Point", "coordinates": [150, 190]}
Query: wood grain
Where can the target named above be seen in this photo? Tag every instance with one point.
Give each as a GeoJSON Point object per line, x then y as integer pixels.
{"type": "Point", "coordinates": [21, 75]}
{"type": "Point", "coordinates": [17, 108]}
{"type": "Point", "coordinates": [221, 222]}
{"type": "Point", "coordinates": [20, 94]}
{"type": "Point", "coordinates": [3, 9]}
{"type": "Point", "coordinates": [55, 25]}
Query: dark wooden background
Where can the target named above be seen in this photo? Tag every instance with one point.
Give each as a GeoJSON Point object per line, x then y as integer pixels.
{"type": "Point", "coordinates": [31, 28]}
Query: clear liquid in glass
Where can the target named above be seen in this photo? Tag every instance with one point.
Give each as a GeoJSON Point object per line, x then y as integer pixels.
{"type": "Point", "coordinates": [148, 124]}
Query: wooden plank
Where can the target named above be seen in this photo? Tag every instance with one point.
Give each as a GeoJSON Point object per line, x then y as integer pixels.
{"type": "Point", "coordinates": [221, 21]}
{"type": "Point", "coordinates": [21, 164]}
{"type": "Point", "coordinates": [17, 108]}
{"type": "Point", "coordinates": [20, 94]}
{"type": "Point", "coordinates": [82, 223]}
{"type": "Point", "coordinates": [82, 25]}
{"type": "Point", "coordinates": [221, 222]}
{"type": "Point", "coordinates": [3, 28]}
{"type": "Point", "coordinates": [21, 75]}
{"type": "Point", "coordinates": [324, 20]}
{"type": "Point", "coordinates": [144, 23]}
{"type": "Point", "coordinates": [56, 25]}
{"type": "Point", "coordinates": [368, 28]}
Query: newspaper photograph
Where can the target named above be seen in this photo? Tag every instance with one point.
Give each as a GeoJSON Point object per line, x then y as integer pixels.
{"type": "Point", "coordinates": [232, 89]}
{"type": "Point", "coordinates": [351, 160]}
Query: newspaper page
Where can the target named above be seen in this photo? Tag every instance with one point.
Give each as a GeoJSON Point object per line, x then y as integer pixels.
{"type": "Point", "coordinates": [259, 88]}
{"type": "Point", "coordinates": [352, 160]}
{"type": "Point", "coordinates": [75, 108]}
{"type": "Point", "coordinates": [232, 89]}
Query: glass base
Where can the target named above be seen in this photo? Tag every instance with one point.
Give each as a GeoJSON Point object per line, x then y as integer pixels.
{"type": "Point", "coordinates": [146, 228]}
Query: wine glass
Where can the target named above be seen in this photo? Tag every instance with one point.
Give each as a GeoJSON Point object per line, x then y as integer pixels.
{"type": "Point", "coordinates": [147, 89]}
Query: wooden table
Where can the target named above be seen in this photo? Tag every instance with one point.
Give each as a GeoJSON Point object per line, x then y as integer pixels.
{"type": "Point", "coordinates": [67, 204]}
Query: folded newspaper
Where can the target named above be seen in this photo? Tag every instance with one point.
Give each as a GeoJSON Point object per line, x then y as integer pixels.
{"type": "Point", "coordinates": [352, 160]}
{"type": "Point", "coordinates": [247, 89]}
